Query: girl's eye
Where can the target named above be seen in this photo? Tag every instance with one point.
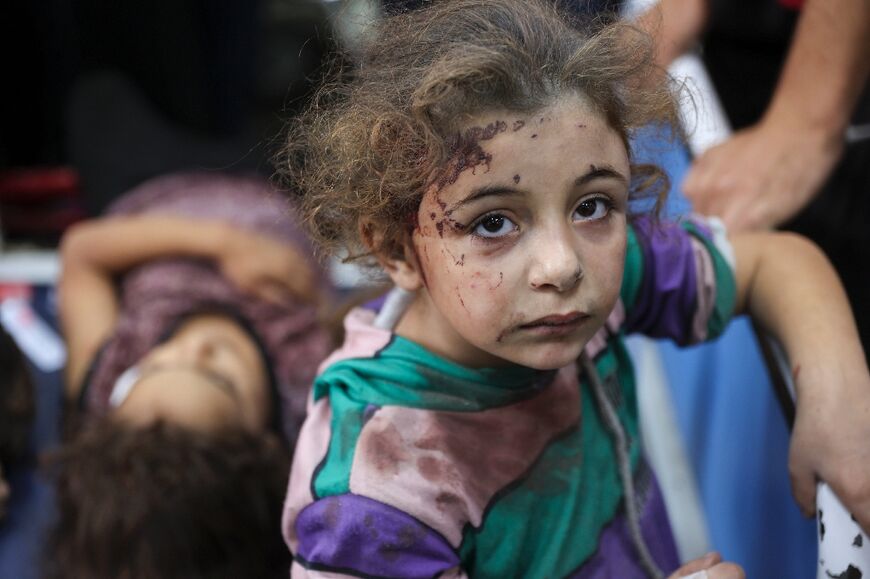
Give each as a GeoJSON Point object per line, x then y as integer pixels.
{"type": "Point", "coordinates": [593, 209]}
{"type": "Point", "coordinates": [493, 225]}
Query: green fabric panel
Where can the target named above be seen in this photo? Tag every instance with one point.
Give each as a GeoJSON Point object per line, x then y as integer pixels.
{"type": "Point", "coordinates": [348, 418]}
{"type": "Point", "coordinates": [726, 284]}
{"type": "Point", "coordinates": [575, 479]}
{"type": "Point", "coordinates": [633, 271]}
{"type": "Point", "coordinates": [407, 374]}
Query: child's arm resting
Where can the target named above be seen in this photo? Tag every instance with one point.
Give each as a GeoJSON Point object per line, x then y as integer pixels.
{"type": "Point", "coordinates": [358, 536]}
{"type": "Point", "coordinates": [790, 288]}
{"type": "Point", "coordinates": [93, 253]}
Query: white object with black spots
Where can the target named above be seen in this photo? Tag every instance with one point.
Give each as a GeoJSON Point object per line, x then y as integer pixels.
{"type": "Point", "coordinates": [844, 552]}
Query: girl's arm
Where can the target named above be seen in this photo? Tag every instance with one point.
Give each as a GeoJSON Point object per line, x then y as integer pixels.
{"type": "Point", "coordinates": [790, 288]}
{"type": "Point", "coordinates": [93, 253]}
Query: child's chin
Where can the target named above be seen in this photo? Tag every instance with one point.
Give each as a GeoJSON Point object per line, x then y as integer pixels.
{"type": "Point", "coordinates": [549, 360]}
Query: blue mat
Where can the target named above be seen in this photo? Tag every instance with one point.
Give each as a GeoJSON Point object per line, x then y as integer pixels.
{"type": "Point", "coordinates": [734, 430]}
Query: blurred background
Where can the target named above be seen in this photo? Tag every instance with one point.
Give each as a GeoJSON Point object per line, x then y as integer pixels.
{"type": "Point", "coordinates": [100, 96]}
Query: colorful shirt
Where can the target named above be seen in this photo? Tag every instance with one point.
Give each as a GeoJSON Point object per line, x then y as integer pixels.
{"type": "Point", "coordinates": [409, 465]}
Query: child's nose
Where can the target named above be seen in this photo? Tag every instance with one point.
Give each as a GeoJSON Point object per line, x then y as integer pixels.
{"type": "Point", "coordinates": [556, 265]}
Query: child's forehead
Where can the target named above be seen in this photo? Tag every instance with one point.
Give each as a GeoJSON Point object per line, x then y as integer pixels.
{"type": "Point", "coordinates": [558, 106]}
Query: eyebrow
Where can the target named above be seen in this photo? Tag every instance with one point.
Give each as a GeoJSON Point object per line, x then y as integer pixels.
{"type": "Point", "coordinates": [220, 382]}
{"type": "Point", "coordinates": [602, 172]}
{"type": "Point", "coordinates": [595, 172]}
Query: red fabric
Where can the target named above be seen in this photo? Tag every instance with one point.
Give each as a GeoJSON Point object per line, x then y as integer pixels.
{"type": "Point", "coordinates": [792, 4]}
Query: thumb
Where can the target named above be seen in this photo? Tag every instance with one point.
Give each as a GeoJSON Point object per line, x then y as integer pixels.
{"type": "Point", "coordinates": [803, 485]}
{"type": "Point", "coordinates": [698, 564]}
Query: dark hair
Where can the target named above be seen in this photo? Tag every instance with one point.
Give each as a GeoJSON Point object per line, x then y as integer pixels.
{"type": "Point", "coordinates": [378, 135]}
{"type": "Point", "coordinates": [168, 502]}
{"type": "Point", "coordinates": [16, 401]}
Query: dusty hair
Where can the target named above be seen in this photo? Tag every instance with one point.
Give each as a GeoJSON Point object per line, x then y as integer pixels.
{"type": "Point", "coordinates": [379, 134]}
{"type": "Point", "coordinates": [167, 502]}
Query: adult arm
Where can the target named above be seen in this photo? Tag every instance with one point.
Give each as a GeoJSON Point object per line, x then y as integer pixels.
{"type": "Point", "coordinates": [787, 284]}
{"type": "Point", "coordinates": [676, 26]}
{"type": "Point", "coordinates": [93, 253]}
{"type": "Point", "coordinates": [767, 173]}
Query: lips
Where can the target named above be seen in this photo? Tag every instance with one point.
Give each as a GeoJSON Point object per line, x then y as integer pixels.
{"type": "Point", "coordinates": [557, 321]}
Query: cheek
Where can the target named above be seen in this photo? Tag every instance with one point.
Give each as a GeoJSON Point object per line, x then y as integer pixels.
{"type": "Point", "coordinates": [607, 269]}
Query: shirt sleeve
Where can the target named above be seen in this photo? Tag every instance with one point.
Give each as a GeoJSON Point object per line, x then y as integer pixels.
{"type": "Point", "coordinates": [679, 280]}
{"type": "Point", "coordinates": [352, 535]}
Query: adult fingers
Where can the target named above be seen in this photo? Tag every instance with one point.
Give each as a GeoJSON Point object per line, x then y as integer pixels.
{"type": "Point", "coordinates": [726, 571]}
{"type": "Point", "coordinates": [696, 565]}
{"type": "Point", "coordinates": [854, 492]}
{"type": "Point", "coordinates": [803, 485]}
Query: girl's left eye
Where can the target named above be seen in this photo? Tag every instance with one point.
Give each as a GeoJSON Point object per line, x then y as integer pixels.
{"type": "Point", "coordinates": [492, 226]}
{"type": "Point", "coordinates": [593, 209]}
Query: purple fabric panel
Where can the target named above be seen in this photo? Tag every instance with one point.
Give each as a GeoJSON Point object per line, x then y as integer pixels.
{"type": "Point", "coordinates": [666, 301]}
{"type": "Point", "coordinates": [355, 533]}
{"type": "Point", "coordinates": [616, 557]}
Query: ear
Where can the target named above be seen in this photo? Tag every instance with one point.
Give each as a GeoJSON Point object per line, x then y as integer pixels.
{"type": "Point", "coordinates": [400, 262]}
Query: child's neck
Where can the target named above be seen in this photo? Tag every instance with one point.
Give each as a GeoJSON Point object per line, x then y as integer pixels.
{"type": "Point", "coordinates": [424, 324]}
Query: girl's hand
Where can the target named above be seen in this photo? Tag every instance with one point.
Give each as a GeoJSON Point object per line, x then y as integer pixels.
{"type": "Point", "coordinates": [710, 566]}
{"type": "Point", "coordinates": [269, 269]}
{"type": "Point", "coordinates": [831, 441]}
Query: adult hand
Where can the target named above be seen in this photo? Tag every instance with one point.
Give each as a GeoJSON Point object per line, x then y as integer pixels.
{"type": "Point", "coordinates": [763, 175]}
{"type": "Point", "coordinates": [710, 566]}
{"type": "Point", "coordinates": [272, 270]}
{"type": "Point", "coordinates": [831, 441]}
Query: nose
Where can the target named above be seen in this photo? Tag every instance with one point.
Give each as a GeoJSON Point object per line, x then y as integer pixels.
{"type": "Point", "coordinates": [556, 262]}
{"type": "Point", "coordinates": [194, 350]}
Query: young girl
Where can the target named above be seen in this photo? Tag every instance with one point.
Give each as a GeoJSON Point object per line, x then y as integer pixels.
{"type": "Point", "coordinates": [484, 423]}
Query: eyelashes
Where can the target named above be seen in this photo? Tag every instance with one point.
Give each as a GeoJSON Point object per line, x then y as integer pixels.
{"type": "Point", "coordinates": [493, 226]}
{"type": "Point", "coordinates": [496, 225]}
{"type": "Point", "coordinates": [594, 208]}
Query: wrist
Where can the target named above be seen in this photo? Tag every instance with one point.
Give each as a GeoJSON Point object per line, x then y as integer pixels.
{"type": "Point", "coordinates": [827, 128]}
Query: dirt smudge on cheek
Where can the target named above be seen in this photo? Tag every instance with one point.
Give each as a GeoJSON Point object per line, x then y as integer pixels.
{"type": "Point", "coordinates": [461, 301]}
{"type": "Point", "coordinates": [516, 179]}
{"type": "Point", "coordinates": [535, 136]}
{"type": "Point", "coordinates": [500, 280]}
{"type": "Point", "coordinates": [518, 124]}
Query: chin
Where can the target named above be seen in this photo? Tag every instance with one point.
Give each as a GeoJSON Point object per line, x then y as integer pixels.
{"type": "Point", "coordinates": [550, 358]}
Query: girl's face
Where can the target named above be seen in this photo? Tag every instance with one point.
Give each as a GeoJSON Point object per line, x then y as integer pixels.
{"type": "Point", "coordinates": [519, 249]}
{"type": "Point", "coordinates": [209, 374]}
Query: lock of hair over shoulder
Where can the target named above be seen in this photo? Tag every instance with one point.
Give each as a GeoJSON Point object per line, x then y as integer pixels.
{"type": "Point", "coordinates": [387, 125]}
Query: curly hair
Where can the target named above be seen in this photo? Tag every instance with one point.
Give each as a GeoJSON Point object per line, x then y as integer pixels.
{"type": "Point", "coordinates": [168, 502]}
{"type": "Point", "coordinates": [377, 135]}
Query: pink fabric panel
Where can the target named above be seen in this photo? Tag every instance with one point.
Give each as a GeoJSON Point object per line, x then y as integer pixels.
{"type": "Point", "coordinates": [444, 467]}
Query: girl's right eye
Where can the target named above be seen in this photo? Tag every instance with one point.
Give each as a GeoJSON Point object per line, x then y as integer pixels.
{"type": "Point", "coordinates": [493, 225]}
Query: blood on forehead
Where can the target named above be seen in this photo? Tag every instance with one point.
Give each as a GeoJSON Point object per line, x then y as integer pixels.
{"type": "Point", "coordinates": [466, 152]}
